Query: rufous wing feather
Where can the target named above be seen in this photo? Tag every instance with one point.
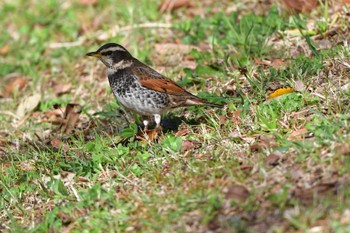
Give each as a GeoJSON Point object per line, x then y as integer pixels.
{"type": "Point", "coordinates": [151, 79]}
{"type": "Point", "coordinates": [163, 85]}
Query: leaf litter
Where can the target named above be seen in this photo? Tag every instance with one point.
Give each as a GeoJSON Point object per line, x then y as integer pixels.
{"type": "Point", "coordinates": [305, 183]}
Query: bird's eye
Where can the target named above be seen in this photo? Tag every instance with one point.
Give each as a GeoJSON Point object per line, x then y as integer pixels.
{"type": "Point", "coordinates": [107, 53]}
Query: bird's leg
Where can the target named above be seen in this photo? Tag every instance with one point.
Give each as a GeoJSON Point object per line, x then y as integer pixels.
{"type": "Point", "coordinates": [157, 120]}
{"type": "Point", "coordinates": [145, 123]}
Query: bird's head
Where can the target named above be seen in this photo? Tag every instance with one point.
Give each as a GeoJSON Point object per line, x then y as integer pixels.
{"type": "Point", "coordinates": [112, 55]}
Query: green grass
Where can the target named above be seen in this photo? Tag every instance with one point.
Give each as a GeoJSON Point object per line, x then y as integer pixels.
{"type": "Point", "coordinates": [253, 166]}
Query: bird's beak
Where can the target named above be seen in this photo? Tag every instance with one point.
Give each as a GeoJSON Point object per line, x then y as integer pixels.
{"type": "Point", "coordinates": [94, 54]}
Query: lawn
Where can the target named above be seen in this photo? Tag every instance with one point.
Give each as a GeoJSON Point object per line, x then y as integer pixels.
{"type": "Point", "coordinates": [276, 158]}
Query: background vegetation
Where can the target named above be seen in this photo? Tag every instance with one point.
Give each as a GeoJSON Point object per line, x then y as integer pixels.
{"type": "Point", "coordinates": [70, 161]}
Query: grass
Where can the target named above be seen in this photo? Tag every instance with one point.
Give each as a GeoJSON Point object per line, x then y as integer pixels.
{"type": "Point", "coordinates": [72, 163]}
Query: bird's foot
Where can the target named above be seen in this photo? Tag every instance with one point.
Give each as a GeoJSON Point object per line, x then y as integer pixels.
{"type": "Point", "coordinates": [147, 136]}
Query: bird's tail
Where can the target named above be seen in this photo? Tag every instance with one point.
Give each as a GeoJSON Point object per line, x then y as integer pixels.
{"type": "Point", "coordinates": [195, 101]}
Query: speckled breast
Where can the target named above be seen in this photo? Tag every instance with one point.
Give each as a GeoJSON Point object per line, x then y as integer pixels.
{"type": "Point", "coordinates": [136, 98]}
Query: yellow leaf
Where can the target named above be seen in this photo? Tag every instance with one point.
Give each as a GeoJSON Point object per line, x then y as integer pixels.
{"type": "Point", "coordinates": [280, 91]}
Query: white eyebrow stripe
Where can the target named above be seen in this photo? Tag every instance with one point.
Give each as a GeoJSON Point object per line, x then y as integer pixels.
{"type": "Point", "coordinates": [121, 65]}
{"type": "Point", "coordinates": [113, 49]}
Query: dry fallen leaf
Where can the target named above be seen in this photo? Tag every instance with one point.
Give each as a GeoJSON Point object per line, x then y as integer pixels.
{"type": "Point", "coordinates": [182, 132]}
{"type": "Point", "coordinates": [58, 144]}
{"type": "Point", "coordinates": [71, 117]}
{"type": "Point", "coordinates": [299, 86]}
{"type": "Point", "coordinates": [246, 169]}
{"type": "Point", "coordinates": [4, 49]}
{"type": "Point", "coordinates": [54, 116]}
{"type": "Point", "coordinates": [222, 120]}
{"type": "Point", "coordinates": [237, 117]}
{"type": "Point", "coordinates": [276, 63]}
{"type": "Point", "coordinates": [65, 218]}
{"type": "Point", "coordinates": [299, 5]}
{"type": "Point", "coordinates": [88, 2]}
{"type": "Point", "coordinates": [147, 136]}
{"type": "Point", "coordinates": [297, 134]}
{"type": "Point", "coordinates": [18, 82]}
{"type": "Point", "coordinates": [27, 105]}
{"type": "Point", "coordinates": [263, 143]}
{"type": "Point", "coordinates": [83, 179]}
{"type": "Point", "coordinates": [343, 149]}
{"type": "Point", "coordinates": [62, 88]}
{"type": "Point", "coordinates": [170, 5]}
{"type": "Point", "coordinates": [236, 192]}
{"type": "Point", "coordinates": [308, 194]}
{"type": "Point", "coordinates": [274, 158]}
{"type": "Point", "coordinates": [189, 144]}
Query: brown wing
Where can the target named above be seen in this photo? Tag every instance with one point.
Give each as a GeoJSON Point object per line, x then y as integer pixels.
{"type": "Point", "coordinates": [151, 79]}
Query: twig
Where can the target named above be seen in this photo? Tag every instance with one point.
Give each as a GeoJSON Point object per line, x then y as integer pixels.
{"type": "Point", "coordinates": [57, 45]}
{"type": "Point", "coordinates": [114, 31]}
{"type": "Point", "coordinates": [102, 35]}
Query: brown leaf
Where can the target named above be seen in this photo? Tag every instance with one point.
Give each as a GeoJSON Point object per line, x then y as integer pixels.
{"type": "Point", "coordinates": [83, 179]}
{"type": "Point", "coordinates": [4, 49]}
{"type": "Point", "coordinates": [66, 218]}
{"type": "Point", "coordinates": [189, 144]}
{"type": "Point", "coordinates": [71, 117]}
{"type": "Point", "coordinates": [343, 149]}
{"type": "Point", "coordinates": [171, 5]}
{"type": "Point", "coordinates": [18, 82]}
{"type": "Point", "coordinates": [245, 169]}
{"type": "Point", "coordinates": [297, 135]}
{"type": "Point", "coordinates": [58, 144]}
{"type": "Point", "coordinates": [264, 142]}
{"type": "Point", "coordinates": [62, 88]}
{"type": "Point", "coordinates": [268, 140]}
{"type": "Point", "coordinates": [237, 116]}
{"type": "Point", "coordinates": [87, 2]}
{"type": "Point", "coordinates": [182, 132]}
{"type": "Point", "coordinates": [237, 192]}
{"type": "Point", "coordinates": [56, 112]}
{"type": "Point", "coordinates": [54, 116]}
{"type": "Point", "coordinates": [148, 135]}
{"type": "Point", "coordinates": [222, 120]}
{"type": "Point", "coordinates": [309, 194]}
{"type": "Point", "coordinates": [276, 63]}
{"type": "Point", "coordinates": [274, 158]}
{"type": "Point", "coordinates": [299, 5]}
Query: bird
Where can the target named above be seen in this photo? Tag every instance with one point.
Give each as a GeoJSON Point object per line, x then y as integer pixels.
{"type": "Point", "coordinates": [140, 89]}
